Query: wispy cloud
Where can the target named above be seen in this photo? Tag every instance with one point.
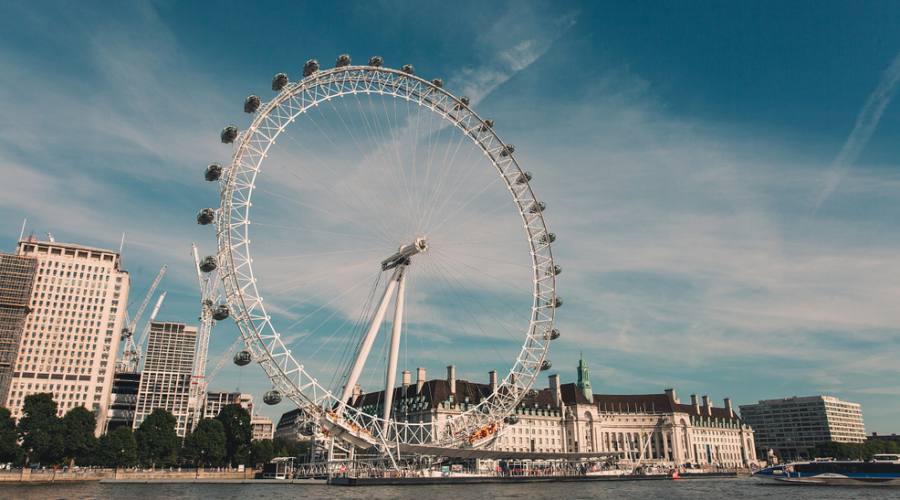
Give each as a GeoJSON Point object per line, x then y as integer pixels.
{"type": "Point", "coordinates": [865, 125]}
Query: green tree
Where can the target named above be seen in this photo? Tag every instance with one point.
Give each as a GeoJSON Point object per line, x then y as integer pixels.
{"type": "Point", "coordinates": [78, 439]}
{"type": "Point", "coordinates": [117, 448]}
{"type": "Point", "coordinates": [282, 447]}
{"type": "Point", "coordinates": [205, 446]}
{"type": "Point", "coordinates": [236, 421]}
{"type": "Point", "coordinates": [9, 439]}
{"type": "Point", "coordinates": [261, 452]}
{"type": "Point", "coordinates": [157, 440]}
{"type": "Point", "coordinates": [41, 430]}
{"type": "Point", "coordinates": [291, 448]}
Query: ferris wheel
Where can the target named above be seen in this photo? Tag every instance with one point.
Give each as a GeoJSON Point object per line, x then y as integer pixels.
{"type": "Point", "coordinates": [394, 191]}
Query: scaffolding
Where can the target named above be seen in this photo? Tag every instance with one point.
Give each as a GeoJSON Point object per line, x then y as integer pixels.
{"type": "Point", "coordinates": [16, 283]}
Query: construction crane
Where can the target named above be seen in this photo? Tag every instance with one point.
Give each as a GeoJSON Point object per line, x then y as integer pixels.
{"type": "Point", "coordinates": [127, 363]}
{"type": "Point", "coordinates": [224, 359]}
{"type": "Point", "coordinates": [211, 310]}
{"type": "Point", "coordinates": [137, 354]}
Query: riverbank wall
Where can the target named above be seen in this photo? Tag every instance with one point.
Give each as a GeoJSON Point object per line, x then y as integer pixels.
{"type": "Point", "coordinates": [51, 475]}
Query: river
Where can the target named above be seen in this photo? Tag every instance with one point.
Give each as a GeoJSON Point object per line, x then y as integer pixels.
{"type": "Point", "coordinates": [695, 489]}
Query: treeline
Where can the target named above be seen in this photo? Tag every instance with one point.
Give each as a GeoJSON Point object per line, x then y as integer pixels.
{"type": "Point", "coordinates": [41, 437]}
{"type": "Point", "coordinates": [856, 451]}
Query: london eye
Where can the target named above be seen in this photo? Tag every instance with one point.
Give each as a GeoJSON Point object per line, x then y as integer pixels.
{"type": "Point", "coordinates": [360, 187]}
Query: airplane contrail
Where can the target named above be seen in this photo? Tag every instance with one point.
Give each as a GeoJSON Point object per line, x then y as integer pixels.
{"type": "Point", "coordinates": [866, 122]}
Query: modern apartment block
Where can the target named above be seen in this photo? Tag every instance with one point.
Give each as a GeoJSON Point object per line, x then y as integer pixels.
{"type": "Point", "coordinates": [16, 283]}
{"type": "Point", "coordinates": [261, 427]}
{"type": "Point", "coordinates": [123, 400]}
{"type": "Point", "coordinates": [166, 377]}
{"type": "Point", "coordinates": [69, 341]}
{"type": "Point", "coordinates": [792, 426]}
{"type": "Point", "coordinates": [215, 401]}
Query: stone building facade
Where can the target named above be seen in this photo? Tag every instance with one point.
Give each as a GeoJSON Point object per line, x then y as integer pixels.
{"type": "Point", "coordinates": [570, 418]}
{"type": "Point", "coordinates": [69, 341]}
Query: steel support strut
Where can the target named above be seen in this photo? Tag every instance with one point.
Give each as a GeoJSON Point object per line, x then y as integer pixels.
{"type": "Point", "coordinates": [369, 339]}
{"type": "Point", "coordinates": [396, 326]}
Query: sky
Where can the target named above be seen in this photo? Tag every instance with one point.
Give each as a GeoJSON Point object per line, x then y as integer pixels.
{"type": "Point", "coordinates": [723, 178]}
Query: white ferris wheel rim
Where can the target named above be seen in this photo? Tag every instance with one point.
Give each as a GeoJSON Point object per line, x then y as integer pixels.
{"type": "Point", "coordinates": [260, 335]}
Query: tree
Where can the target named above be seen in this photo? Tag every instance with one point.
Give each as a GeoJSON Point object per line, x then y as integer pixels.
{"type": "Point", "coordinates": [261, 452]}
{"type": "Point", "coordinates": [41, 430]}
{"type": "Point", "coordinates": [78, 439]}
{"type": "Point", "coordinates": [9, 440]}
{"type": "Point", "coordinates": [236, 421]}
{"type": "Point", "coordinates": [157, 440]}
{"type": "Point", "coordinates": [205, 446]}
{"type": "Point", "coordinates": [117, 448]}
{"type": "Point", "coordinates": [292, 448]}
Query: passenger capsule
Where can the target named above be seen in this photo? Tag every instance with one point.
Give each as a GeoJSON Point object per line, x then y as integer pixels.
{"type": "Point", "coordinates": [242, 358]}
{"type": "Point", "coordinates": [554, 271]}
{"type": "Point", "coordinates": [208, 264]}
{"type": "Point", "coordinates": [376, 61]}
{"type": "Point", "coordinates": [279, 82]}
{"type": "Point", "coordinates": [221, 312]}
{"type": "Point", "coordinates": [552, 334]}
{"type": "Point", "coordinates": [229, 134]}
{"type": "Point", "coordinates": [206, 216]}
{"type": "Point", "coordinates": [408, 69]}
{"type": "Point", "coordinates": [547, 238]}
{"type": "Point", "coordinates": [251, 104]}
{"type": "Point", "coordinates": [309, 428]}
{"type": "Point", "coordinates": [537, 207]}
{"type": "Point", "coordinates": [437, 82]}
{"type": "Point", "coordinates": [557, 302]}
{"type": "Point", "coordinates": [463, 102]}
{"type": "Point", "coordinates": [507, 150]}
{"type": "Point", "coordinates": [310, 67]}
{"type": "Point", "coordinates": [272, 397]}
{"type": "Point", "coordinates": [213, 172]}
{"type": "Point", "coordinates": [546, 365]}
{"type": "Point", "coordinates": [523, 178]}
{"type": "Point", "coordinates": [342, 60]}
{"type": "Point", "coordinates": [487, 124]}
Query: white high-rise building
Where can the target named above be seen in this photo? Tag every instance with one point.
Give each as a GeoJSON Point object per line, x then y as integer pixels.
{"type": "Point", "coordinates": [791, 427]}
{"type": "Point", "coordinates": [69, 341]}
{"type": "Point", "coordinates": [166, 378]}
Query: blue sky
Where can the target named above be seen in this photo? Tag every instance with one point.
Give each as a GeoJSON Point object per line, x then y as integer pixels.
{"type": "Point", "coordinates": [723, 177]}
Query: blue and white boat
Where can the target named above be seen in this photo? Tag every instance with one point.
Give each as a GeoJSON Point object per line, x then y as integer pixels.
{"type": "Point", "coordinates": [882, 470]}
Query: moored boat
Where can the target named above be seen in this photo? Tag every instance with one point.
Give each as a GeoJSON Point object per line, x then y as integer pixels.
{"type": "Point", "coordinates": [882, 470]}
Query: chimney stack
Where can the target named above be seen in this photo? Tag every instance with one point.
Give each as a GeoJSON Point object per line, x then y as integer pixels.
{"type": "Point", "coordinates": [695, 404]}
{"type": "Point", "coordinates": [555, 391]}
{"type": "Point", "coordinates": [492, 376]}
{"type": "Point", "coordinates": [728, 407]}
{"type": "Point", "coordinates": [357, 392]}
{"type": "Point", "coordinates": [451, 378]}
{"type": "Point", "coordinates": [706, 405]}
{"type": "Point", "coordinates": [407, 380]}
{"type": "Point", "coordinates": [673, 398]}
{"type": "Point", "coordinates": [420, 380]}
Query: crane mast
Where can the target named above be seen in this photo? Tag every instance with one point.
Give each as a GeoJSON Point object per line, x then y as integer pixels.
{"type": "Point", "coordinates": [210, 310]}
{"type": "Point", "coordinates": [130, 350]}
{"type": "Point", "coordinates": [138, 355]}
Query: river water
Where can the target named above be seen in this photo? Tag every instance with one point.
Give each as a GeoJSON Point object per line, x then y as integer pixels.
{"type": "Point", "coordinates": [695, 489]}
